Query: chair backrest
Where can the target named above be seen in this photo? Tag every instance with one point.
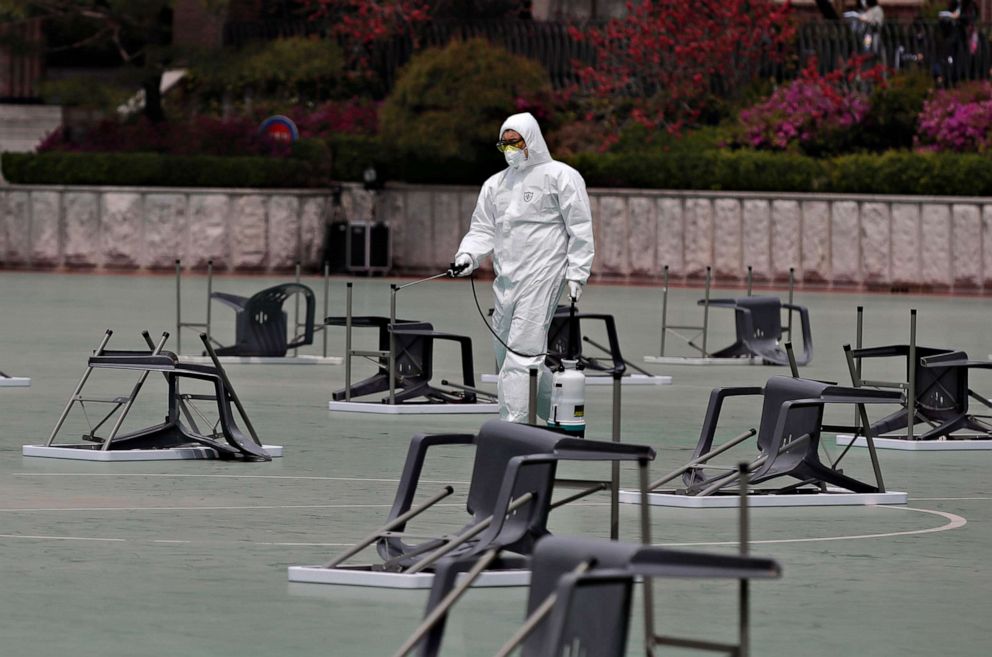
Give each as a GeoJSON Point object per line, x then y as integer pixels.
{"type": "Point", "coordinates": [414, 353]}
{"type": "Point", "coordinates": [497, 443]}
{"type": "Point", "coordinates": [559, 334]}
{"type": "Point", "coordinates": [941, 392]}
{"type": "Point", "coordinates": [590, 616]}
{"type": "Point", "coordinates": [777, 391]}
{"type": "Point", "coordinates": [766, 317]}
{"type": "Point", "coordinates": [262, 325]}
{"type": "Point", "coordinates": [561, 330]}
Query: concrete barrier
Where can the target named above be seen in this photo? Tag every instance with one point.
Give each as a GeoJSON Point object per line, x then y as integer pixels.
{"type": "Point", "coordinates": [938, 243]}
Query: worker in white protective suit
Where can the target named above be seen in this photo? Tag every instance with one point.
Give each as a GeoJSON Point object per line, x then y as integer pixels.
{"type": "Point", "coordinates": [534, 218]}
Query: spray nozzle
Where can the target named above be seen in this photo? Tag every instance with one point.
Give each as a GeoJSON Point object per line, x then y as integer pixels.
{"type": "Point", "coordinates": [455, 269]}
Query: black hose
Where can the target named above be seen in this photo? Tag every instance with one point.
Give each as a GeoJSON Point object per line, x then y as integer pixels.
{"type": "Point", "coordinates": [475, 295]}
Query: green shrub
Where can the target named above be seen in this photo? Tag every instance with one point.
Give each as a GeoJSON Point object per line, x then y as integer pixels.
{"type": "Point", "coordinates": [894, 172]}
{"type": "Point", "coordinates": [763, 171]}
{"type": "Point", "coordinates": [352, 154]}
{"type": "Point", "coordinates": [315, 164]}
{"type": "Point", "coordinates": [891, 119]}
{"type": "Point", "coordinates": [293, 69]}
{"type": "Point", "coordinates": [702, 170]}
{"type": "Point", "coordinates": [448, 103]}
{"type": "Point", "coordinates": [153, 169]}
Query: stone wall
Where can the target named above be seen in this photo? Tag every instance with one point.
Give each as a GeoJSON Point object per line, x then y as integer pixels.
{"type": "Point", "coordinates": [936, 243]}
{"type": "Point", "coordinates": [148, 228]}
{"type": "Point", "coordinates": [915, 242]}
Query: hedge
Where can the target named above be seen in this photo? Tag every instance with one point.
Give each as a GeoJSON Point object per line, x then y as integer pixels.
{"type": "Point", "coordinates": [895, 172]}
{"type": "Point", "coordinates": [153, 169]}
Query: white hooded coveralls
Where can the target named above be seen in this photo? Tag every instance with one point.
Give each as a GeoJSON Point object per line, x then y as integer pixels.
{"type": "Point", "coordinates": [536, 222]}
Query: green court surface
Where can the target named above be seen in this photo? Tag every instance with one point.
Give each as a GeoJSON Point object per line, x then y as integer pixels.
{"type": "Point", "coordinates": [162, 559]}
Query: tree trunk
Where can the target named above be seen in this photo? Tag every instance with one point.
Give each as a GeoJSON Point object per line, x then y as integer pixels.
{"type": "Point", "coordinates": [153, 97]}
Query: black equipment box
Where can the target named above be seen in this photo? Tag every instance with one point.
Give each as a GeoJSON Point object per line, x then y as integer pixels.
{"type": "Point", "coordinates": [368, 248]}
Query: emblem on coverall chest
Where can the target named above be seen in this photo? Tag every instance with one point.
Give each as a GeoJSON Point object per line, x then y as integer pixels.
{"type": "Point", "coordinates": [528, 196]}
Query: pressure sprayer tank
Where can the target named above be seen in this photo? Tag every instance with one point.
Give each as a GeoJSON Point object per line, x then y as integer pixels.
{"type": "Point", "coordinates": [568, 399]}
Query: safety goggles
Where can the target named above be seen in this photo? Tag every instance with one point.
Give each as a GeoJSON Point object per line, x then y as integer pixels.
{"type": "Point", "coordinates": [504, 145]}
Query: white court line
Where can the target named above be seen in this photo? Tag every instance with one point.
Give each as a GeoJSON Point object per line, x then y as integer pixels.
{"type": "Point", "coordinates": [207, 508]}
{"type": "Point", "coordinates": [216, 476]}
{"type": "Point", "coordinates": [234, 508]}
{"type": "Point", "coordinates": [954, 522]}
{"type": "Point", "coordinates": [65, 538]}
{"type": "Point", "coordinates": [949, 499]}
{"type": "Point", "coordinates": [268, 544]}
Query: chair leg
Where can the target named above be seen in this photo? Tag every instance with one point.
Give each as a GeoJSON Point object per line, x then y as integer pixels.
{"type": "Point", "coordinates": [897, 420]}
{"type": "Point", "coordinates": [370, 386]}
{"type": "Point", "coordinates": [945, 428]}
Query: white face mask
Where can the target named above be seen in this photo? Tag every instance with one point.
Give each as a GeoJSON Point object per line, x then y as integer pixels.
{"type": "Point", "coordinates": [514, 157]}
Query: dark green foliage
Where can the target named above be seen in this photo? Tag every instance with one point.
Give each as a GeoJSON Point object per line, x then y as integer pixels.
{"type": "Point", "coordinates": [152, 169]}
{"type": "Point", "coordinates": [352, 154]}
{"type": "Point", "coordinates": [895, 172]}
{"type": "Point", "coordinates": [702, 170]}
{"type": "Point", "coordinates": [315, 163]}
{"type": "Point", "coordinates": [891, 121]}
{"type": "Point", "coordinates": [290, 70]}
{"type": "Point", "coordinates": [931, 174]}
{"type": "Point", "coordinates": [444, 112]}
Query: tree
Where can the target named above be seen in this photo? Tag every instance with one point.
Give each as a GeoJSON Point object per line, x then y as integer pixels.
{"type": "Point", "coordinates": [658, 64]}
{"type": "Point", "coordinates": [361, 23]}
{"type": "Point", "coordinates": [139, 31]}
{"type": "Point", "coordinates": [446, 107]}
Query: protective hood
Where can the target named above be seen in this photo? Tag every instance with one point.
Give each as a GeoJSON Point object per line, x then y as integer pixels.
{"type": "Point", "coordinates": [526, 125]}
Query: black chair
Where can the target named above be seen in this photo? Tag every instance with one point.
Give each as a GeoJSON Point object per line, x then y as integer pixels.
{"type": "Point", "coordinates": [261, 324]}
{"type": "Point", "coordinates": [509, 494]}
{"type": "Point", "coordinates": [579, 600]}
{"type": "Point", "coordinates": [180, 428]}
{"type": "Point", "coordinates": [758, 327]}
{"type": "Point", "coordinates": [414, 361]}
{"type": "Point", "coordinates": [941, 399]}
{"type": "Point", "coordinates": [788, 437]}
{"type": "Point", "coordinates": [561, 342]}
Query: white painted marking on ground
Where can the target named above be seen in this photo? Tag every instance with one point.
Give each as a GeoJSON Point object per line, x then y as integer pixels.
{"type": "Point", "coordinates": [949, 499]}
{"type": "Point", "coordinates": [218, 476]}
{"type": "Point", "coordinates": [69, 509]}
{"type": "Point", "coordinates": [64, 538]}
{"type": "Point", "coordinates": [305, 544]}
{"type": "Point", "coordinates": [208, 508]}
{"type": "Point", "coordinates": [954, 522]}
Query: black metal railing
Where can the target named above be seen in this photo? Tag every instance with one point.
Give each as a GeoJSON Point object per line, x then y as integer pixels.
{"type": "Point", "coordinates": [546, 42]}
{"type": "Point", "coordinates": [951, 51]}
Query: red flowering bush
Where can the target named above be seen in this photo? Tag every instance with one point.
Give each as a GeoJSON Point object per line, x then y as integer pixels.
{"type": "Point", "coordinates": [809, 112]}
{"type": "Point", "coordinates": [203, 135]}
{"type": "Point", "coordinates": [206, 135]}
{"type": "Point", "coordinates": [352, 117]}
{"type": "Point", "coordinates": [659, 64]}
{"type": "Point", "coordinates": [957, 120]}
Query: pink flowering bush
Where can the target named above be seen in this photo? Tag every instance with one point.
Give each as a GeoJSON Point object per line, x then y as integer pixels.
{"type": "Point", "coordinates": [957, 120]}
{"type": "Point", "coordinates": [807, 114]}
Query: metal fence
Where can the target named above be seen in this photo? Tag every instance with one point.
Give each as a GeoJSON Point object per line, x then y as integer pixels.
{"type": "Point", "coordinates": [951, 51]}
{"type": "Point", "coordinates": [21, 64]}
{"type": "Point", "coordinates": [546, 42]}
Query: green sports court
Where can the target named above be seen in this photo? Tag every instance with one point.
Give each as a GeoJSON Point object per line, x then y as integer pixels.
{"type": "Point", "coordinates": [190, 557]}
